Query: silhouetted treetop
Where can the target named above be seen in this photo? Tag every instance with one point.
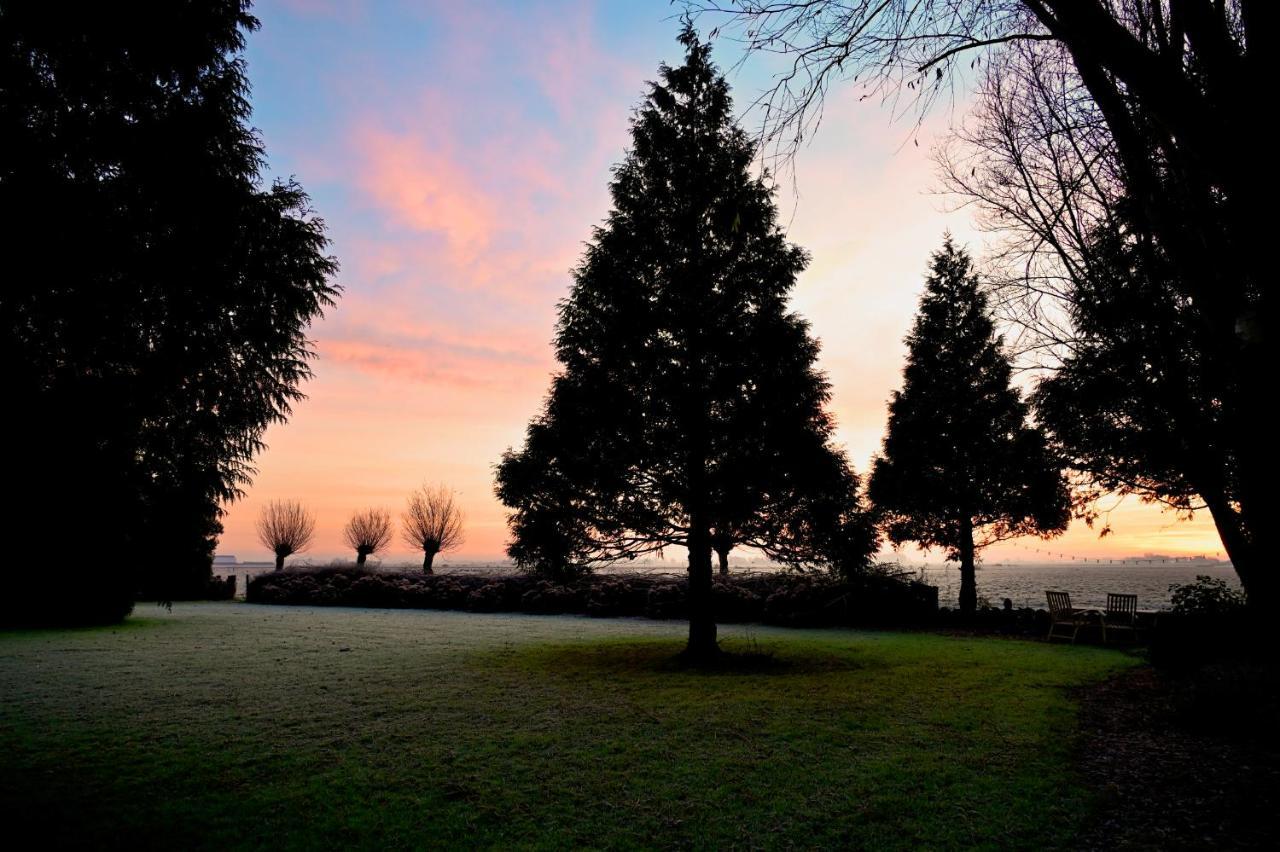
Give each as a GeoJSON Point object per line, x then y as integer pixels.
{"type": "Point", "coordinates": [160, 292]}
{"type": "Point", "coordinates": [961, 468]}
{"type": "Point", "coordinates": [688, 399]}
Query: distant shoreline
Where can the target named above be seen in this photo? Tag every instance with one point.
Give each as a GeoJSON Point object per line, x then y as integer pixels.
{"type": "Point", "coordinates": [1023, 583]}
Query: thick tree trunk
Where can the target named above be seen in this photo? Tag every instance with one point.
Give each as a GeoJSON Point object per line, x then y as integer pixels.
{"type": "Point", "coordinates": [702, 646]}
{"type": "Point", "coordinates": [360, 556]}
{"type": "Point", "coordinates": [723, 553]}
{"type": "Point", "coordinates": [428, 556]}
{"type": "Point", "coordinates": [702, 620]}
{"type": "Point", "coordinates": [968, 572]}
{"type": "Point", "coordinates": [1256, 470]}
{"type": "Point", "coordinates": [279, 561]}
{"type": "Point", "coordinates": [1258, 579]}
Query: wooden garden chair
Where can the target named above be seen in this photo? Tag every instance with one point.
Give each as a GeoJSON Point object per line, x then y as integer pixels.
{"type": "Point", "coordinates": [1120, 617]}
{"type": "Point", "coordinates": [1063, 614]}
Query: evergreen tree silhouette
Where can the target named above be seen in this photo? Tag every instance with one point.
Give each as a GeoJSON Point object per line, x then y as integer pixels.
{"type": "Point", "coordinates": [961, 468]}
{"type": "Point", "coordinates": [688, 401]}
{"type": "Point", "coordinates": [155, 307]}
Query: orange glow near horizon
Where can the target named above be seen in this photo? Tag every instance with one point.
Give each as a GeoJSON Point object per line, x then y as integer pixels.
{"type": "Point", "coordinates": [460, 161]}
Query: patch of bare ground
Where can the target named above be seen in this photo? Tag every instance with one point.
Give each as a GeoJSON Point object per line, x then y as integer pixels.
{"type": "Point", "coordinates": [1188, 761]}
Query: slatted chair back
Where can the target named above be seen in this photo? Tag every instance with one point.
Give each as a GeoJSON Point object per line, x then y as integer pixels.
{"type": "Point", "coordinates": [1122, 609]}
{"type": "Point", "coordinates": [1059, 604]}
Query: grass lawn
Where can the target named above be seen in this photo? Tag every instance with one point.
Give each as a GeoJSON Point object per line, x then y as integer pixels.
{"type": "Point", "coordinates": [237, 725]}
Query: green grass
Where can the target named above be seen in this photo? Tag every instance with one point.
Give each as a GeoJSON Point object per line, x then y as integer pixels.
{"type": "Point", "coordinates": [234, 725]}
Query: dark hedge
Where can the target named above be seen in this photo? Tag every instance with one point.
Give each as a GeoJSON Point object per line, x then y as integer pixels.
{"type": "Point", "coordinates": [782, 598]}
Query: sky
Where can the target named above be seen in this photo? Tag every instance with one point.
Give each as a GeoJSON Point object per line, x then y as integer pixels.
{"type": "Point", "coordinates": [460, 154]}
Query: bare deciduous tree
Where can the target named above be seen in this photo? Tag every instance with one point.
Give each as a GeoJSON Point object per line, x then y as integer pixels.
{"type": "Point", "coordinates": [432, 522]}
{"type": "Point", "coordinates": [368, 532]}
{"type": "Point", "coordinates": [1173, 101]}
{"type": "Point", "coordinates": [285, 527]}
{"type": "Point", "coordinates": [1038, 166]}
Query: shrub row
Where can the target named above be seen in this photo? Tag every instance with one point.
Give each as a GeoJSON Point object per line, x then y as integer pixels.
{"type": "Point", "coordinates": [217, 589]}
{"type": "Point", "coordinates": [791, 599]}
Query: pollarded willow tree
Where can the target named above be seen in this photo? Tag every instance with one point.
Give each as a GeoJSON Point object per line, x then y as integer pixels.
{"type": "Point", "coordinates": [961, 468]}
{"type": "Point", "coordinates": [689, 401]}
{"type": "Point", "coordinates": [368, 532]}
{"type": "Point", "coordinates": [1170, 88]}
{"type": "Point", "coordinates": [285, 527]}
{"type": "Point", "coordinates": [432, 522]}
{"type": "Point", "coordinates": [158, 289]}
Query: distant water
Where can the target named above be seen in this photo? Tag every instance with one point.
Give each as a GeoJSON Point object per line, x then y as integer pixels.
{"type": "Point", "coordinates": [1022, 582]}
{"type": "Point", "coordinates": [1025, 583]}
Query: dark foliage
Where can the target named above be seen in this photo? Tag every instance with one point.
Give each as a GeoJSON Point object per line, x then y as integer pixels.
{"type": "Point", "coordinates": [961, 468]}
{"type": "Point", "coordinates": [874, 598]}
{"type": "Point", "coordinates": [214, 589]}
{"type": "Point", "coordinates": [221, 589]}
{"type": "Point", "coordinates": [689, 403]}
{"type": "Point", "coordinates": [1026, 622]}
{"type": "Point", "coordinates": [1138, 403]}
{"type": "Point", "coordinates": [1206, 596]}
{"type": "Point", "coordinates": [1182, 131]}
{"type": "Point", "coordinates": [85, 595]}
{"type": "Point", "coordinates": [157, 295]}
{"type": "Point", "coordinates": [1184, 641]}
{"type": "Point", "coordinates": [1210, 626]}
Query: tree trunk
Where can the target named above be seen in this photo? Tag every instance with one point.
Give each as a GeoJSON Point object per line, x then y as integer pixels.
{"type": "Point", "coordinates": [1258, 579]}
{"type": "Point", "coordinates": [968, 578]}
{"type": "Point", "coordinates": [279, 561]}
{"type": "Point", "coordinates": [723, 553]}
{"type": "Point", "coordinates": [702, 620]}
{"type": "Point", "coordinates": [428, 556]}
{"type": "Point", "coordinates": [360, 555]}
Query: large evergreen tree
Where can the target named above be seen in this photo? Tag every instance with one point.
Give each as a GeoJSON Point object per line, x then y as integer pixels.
{"type": "Point", "coordinates": [961, 468]}
{"type": "Point", "coordinates": [156, 294]}
{"type": "Point", "coordinates": [688, 400]}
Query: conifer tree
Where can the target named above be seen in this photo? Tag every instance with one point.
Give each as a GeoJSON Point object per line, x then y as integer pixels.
{"type": "Point", "coordinates": [159, 289]}
{"type": "Point", "coordinates": [961, 468]}
{"type": "Point", "coordinates": [688, 399]}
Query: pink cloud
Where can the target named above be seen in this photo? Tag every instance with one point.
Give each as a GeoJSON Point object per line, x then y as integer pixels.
{"type": "Point", "coordinates": [425, 189]}
{"type": "Point", "coordinates": [438, 363]}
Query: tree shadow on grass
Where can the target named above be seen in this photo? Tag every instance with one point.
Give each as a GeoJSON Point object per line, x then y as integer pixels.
{"type": "Point", "coordinates": [661, 657]}
{"type": "Point", "coordinates": [131, 624]}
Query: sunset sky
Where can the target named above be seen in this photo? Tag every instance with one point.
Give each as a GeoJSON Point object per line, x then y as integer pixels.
{"type": "Point", "coordinates": [460, 154]}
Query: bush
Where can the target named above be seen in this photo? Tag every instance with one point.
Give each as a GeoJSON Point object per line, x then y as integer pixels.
{"type": "Point", "coordinates": [1024, 621]}
{"type": "Point", "coordinates": [802, 599]}
{"type": "Point", "coordinates": [561, 574]}
{"type": "Point", "coordinates": [667, 600]}
{"type": "Point", "coordinates": [548, 598]}
{"type": "Point", "coordinates": [1206, 596]}
{"type": "Point", "coordinates": [491, 597]}
{"type": "Point", "coordinates": [221, 589]}
{"type": "Point", "coordinates": [736, 603]}
{"type": "Point", "coordinates": [616, 598]}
